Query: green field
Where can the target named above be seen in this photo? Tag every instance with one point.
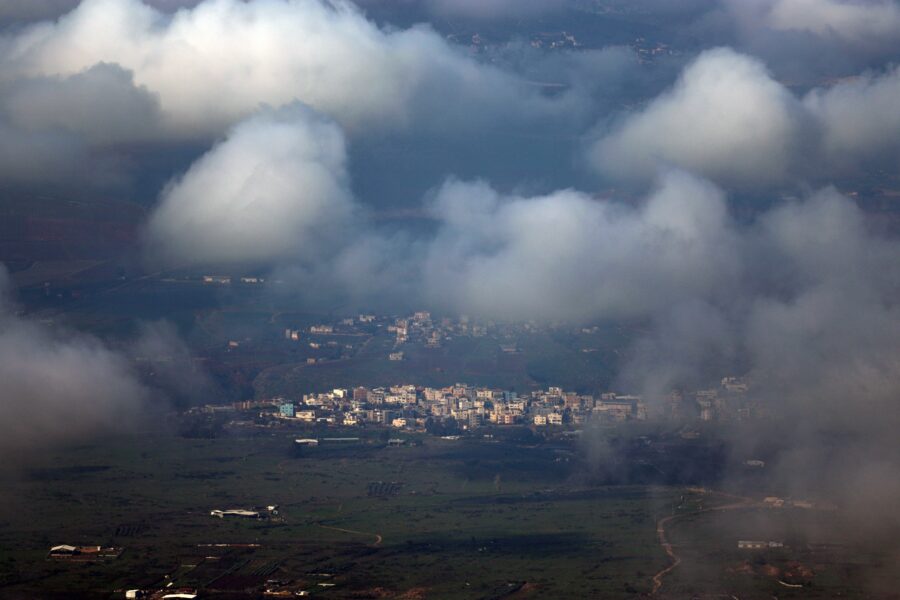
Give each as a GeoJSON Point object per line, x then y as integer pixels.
{"type": "Point", "coordinates": [468, 519]}
{"type": "Point", "coordinates": [471, 518]}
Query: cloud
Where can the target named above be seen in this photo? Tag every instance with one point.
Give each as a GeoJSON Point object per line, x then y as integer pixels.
{"type": "Point", "coordinates": [56, 159]}
{"type": "Point", "coordinates": [728, 120]}
{"type": "Point", "coordinates": [812, 317]}
{"type": "Point", "coordinates": [858, 118]}
{"type": "Point", "coordinates": [797, 267]}
{"type": "Point", "coordinates": [101, 105]}
{"type": "Point", "coordinates": [725, 118]}
{"type": "Point", "coordinates": [570, 256]}
{"type": "Point", "coordinates": [59, 388]}
{"type": "Point", "coordinates": [825, 354]}
{"type": "Point", "coordinates": [811, 41]}
{"type": "Point", "coordinates": [25, 157]}
{"type": "Point", "coordinates": [16, 11]}
{"type": "Point", "coordinates": [114, 74]}
{"type": "Point", "coordinates": [216, 63]}
{"type": "Point", "coordinates": [802, 299]}
{"type": "Point", "coordinates": [111, 82]}
{"type": "Point", "coordinates": [834, 320]}
{"type": "Point", "coordinates": [169, 366]}
{"type": "Point", "coordinates": [275, 188]}
{"type": "Point", "coordinates": [853, 21]}
{"type": "Point", "coordinates": [274, 193]}
{"type": "Point", "coordinates": [806, 42]}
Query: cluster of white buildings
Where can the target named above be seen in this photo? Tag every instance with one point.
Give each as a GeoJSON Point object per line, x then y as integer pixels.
{"type": "Point", "coordinates": [409, 406]}
{"type": "Point", "coordinates": [420, 327]}
{"type": "Point", "coordinates": [469, 407]}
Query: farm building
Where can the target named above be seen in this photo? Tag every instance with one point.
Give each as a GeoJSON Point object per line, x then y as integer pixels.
{"type": "Point", "coordinates": [236, 513]}
{"type": "Point", "coordinates": [758, 545]}
{"type": "Point", "coordinates": [83, 553]}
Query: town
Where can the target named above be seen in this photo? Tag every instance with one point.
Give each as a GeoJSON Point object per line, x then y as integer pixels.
{"type": "Point", "coordinates": [463, 407]}
{"type": "Point", "coordinates": [418, 347]}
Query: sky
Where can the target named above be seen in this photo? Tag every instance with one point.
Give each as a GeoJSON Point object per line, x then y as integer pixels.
{"type": "Point", "coordinates": [707, 187]}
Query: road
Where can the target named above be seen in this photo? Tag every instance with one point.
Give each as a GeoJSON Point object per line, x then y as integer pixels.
{"type": "Point", "coordinates": [667, 545]}
{"type": "Point", "coordinates": [378, 538]}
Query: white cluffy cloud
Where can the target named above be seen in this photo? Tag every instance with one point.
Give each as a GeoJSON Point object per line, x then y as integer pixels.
{"type": "Point", "coordinates": [275, 187]}
{"type": "Point", "coordinates": [727, 119]}
{"type": "Point", "coordinates": [568, 255]}
{"type": "Point", "coordinates": [213, 64]}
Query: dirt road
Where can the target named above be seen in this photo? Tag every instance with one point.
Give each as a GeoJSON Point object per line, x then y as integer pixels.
{"type": "Point", "coordinates": [378, 538]}
{"type": "Point", "coordinates": [666, 521]}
